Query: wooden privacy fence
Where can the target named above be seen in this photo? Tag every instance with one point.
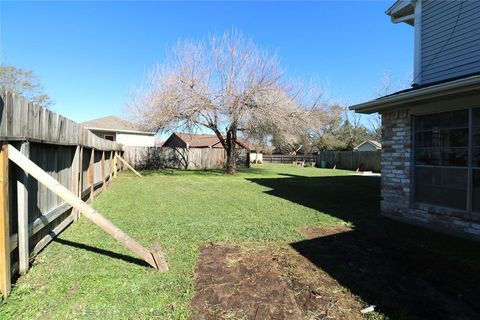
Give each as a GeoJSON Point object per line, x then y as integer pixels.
{"type": "Point", "coordinates": [348, 160]}
{"type": "Point", "coordinates": [181, 158]}
{"type": "Point", "coordinates": [30, 214]}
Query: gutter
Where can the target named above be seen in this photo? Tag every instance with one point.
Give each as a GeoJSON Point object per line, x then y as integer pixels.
{"type": "Point", "coordinates": [407, 19]}
{"type": "Point", "coordinates": [397, 7]}
{"type": "Point", "coordinates": [416, 95]}
{"type": "Point", "coordinates": [120, 130]}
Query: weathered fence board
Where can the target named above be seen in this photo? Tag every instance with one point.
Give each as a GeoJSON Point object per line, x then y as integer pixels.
{"type": "Point", "coordinates": [181, 158]}
{"type": "Point", "coordinates": [32, 215]}
{"type": "Point", "coordinates": [348, 160]}
{"type": "Point", "coordinates": [5, 252]}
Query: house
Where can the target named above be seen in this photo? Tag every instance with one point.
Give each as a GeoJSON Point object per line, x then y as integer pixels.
{"type": "Point", "coordinates": [431, 131]}
{"type": "Point", "coordinates": [368, 145]}
{"type": "Point", "coordinates": [190, 140]}
{"type": "Point", "coordinates": [116, 129]}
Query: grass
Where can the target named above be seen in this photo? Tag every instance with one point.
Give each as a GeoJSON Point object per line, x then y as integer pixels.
{"type": "Point", "coordinates": [86, 274]}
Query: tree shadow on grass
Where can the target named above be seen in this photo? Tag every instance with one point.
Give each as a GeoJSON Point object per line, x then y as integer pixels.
{"type": "Point", "coordinates": [406, 271]}
{"type": "Point", "coordinates": [104, 252]}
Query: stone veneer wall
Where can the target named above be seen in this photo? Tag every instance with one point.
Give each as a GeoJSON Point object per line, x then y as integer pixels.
{"type": "Point", "coordinates": [396, 183]}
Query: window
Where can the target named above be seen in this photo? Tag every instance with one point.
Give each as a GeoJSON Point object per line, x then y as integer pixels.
{"type": "Point", "coordinates": [445, 160]}
{"type": "Point", "coordinates": [108, 137]}
{"type": "Point", "coordinates": [476, 159]}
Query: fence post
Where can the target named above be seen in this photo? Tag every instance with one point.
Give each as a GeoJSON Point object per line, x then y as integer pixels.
{"type": "Point", "coordinates": [115, 165]}
{"type": "Point", "coordinates": [5, 272]}
{"type": "Point", "coordinates": [22, 210]}
{"type": "Point", "coordinates": [76, 165]}
{"type": "Point", "coordinates": [91, 175]}
{"type": "Point", "coordinates": [110, 175]}
{"type": "Point", "coordinates": [103, 171]}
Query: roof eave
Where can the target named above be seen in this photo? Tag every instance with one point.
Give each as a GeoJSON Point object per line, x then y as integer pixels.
{"type": "Point", "coordinates": [120, 130]}
{"type": "Point", "coordinates": [431, 92]}
{"type": "Point", "coordinates": [402, 11]}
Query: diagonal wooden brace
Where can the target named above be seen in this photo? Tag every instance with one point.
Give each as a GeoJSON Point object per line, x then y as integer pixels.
{"type": "Point", "coordinates": [128, 165]}
{"type": "Point", "coordinates": [154, 258]}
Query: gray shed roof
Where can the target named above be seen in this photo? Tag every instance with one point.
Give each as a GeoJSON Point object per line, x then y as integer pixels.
{"type": "Point", "coordinates": [374, 143]}
{"type": "Point", "coordinates": [112, 123]}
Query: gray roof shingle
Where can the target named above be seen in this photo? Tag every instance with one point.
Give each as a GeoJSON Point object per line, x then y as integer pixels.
{"type": "Point", "coordinates": [111, 123]}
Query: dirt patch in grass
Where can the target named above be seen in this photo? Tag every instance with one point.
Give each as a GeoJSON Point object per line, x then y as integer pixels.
{"type": "Point", "coordinates": [404, 280]}
{"type": "Point", "coordinates": [249, 282]}
{"type": "Point", "coordinates": [317, 231]}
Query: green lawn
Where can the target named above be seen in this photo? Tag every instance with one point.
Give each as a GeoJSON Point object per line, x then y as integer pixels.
{"type": "Point", "coordinates": [87, 274]}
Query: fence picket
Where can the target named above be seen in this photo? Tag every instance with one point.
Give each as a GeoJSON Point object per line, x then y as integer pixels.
{"type": "Point", "coordinates": [348, 160]}
{"type": "Point", "coordinates": [56, 145]}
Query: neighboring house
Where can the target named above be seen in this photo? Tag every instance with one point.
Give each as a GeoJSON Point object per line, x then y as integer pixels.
{"type": "Point", "coordinates": [368, 145]}
{"type": "Point", "coordinates": [431, 132]}
{"type": "Point", "coordinates": [121, 131]}
{"type": "Point", "coordinates": [189, 140]}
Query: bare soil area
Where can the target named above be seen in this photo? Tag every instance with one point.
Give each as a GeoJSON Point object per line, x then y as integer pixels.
{"type": "Point", "coordinates": [404, 279]}
{"type": "Point", "coordinates": [333, 274]}
{"type": "Point", "coordinates": [251, 282]}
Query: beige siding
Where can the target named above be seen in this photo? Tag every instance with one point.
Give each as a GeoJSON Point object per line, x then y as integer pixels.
{"type": "Point", "coordinates": [102, 134]}
{"type": "Point", "coordinates": [134, 139]}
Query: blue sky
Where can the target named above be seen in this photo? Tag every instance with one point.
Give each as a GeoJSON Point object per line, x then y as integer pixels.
{"type": "Point", "coordinates": [90, 54]}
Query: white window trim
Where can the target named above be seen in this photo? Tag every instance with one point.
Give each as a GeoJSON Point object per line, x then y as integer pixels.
{"type": "Point", "coordinates": [417, 59]}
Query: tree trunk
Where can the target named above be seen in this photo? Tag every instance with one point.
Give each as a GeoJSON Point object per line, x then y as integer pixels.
{"type": "Point", "coordinates": [231, 151]}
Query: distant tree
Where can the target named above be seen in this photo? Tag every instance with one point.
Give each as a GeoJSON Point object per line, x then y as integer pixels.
{"type": "Point", "coordinates": [330, 127]}
{"type": "Point", "coordinates": [325, 133]}
{"type": "Point", "coordinates": [25, 83]}
{"type": "Point", "coordinates": [353, 132]}
{"type": "Point", "coordinates": [385, 87]}
{"type": "Point", "coordinates": [226, 84]}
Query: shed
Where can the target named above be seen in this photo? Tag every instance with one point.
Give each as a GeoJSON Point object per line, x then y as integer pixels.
{"type": "Point", "coordinates": [121, 131]}
{"type": "Point", "coordinates": [369, 145]}
{"type": "Point", "coordinates": [190, 140]}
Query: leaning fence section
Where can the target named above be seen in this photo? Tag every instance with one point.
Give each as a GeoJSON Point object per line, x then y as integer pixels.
{"type": "Point", "coordinates": [348, 160]}
{"type": "Point", "coordinates": [181, 158]}
{"type": "Point", "coordinates": [30, 214]}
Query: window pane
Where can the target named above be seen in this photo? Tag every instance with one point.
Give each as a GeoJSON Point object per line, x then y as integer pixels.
{"type": "Point", "coordinates": [453, 119]}
{"type": "Point", "coordinates": [476, 136]}
{"type": "Point", "coordinates": [442, 139]}
{"type": "Point", "coordinates": [476, 191]}
{"type": "Point", "coordinates": [476, 157]}
{"type": "Point", "coordinates": [476, 117]}
{"type": "Point", "coordinates": [449, 157]}
{"type": "Point", "coordinates": [445, 187]}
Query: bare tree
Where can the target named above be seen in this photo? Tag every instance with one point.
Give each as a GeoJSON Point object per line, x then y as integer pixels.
{"type": "Point", "coordinates": [386, 86]}
{"type": "Point", "coordinates": [23, 82]}
{"type": "Point", "coordinates": [226, 84]}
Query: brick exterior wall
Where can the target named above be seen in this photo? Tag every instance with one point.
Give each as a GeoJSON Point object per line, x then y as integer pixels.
{"type": "Point", "coordinates": [396, 152]}
{"type": "Point", "coordinates": [397, 200]}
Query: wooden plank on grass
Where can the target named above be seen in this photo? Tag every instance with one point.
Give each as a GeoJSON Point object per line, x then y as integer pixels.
{"type": "Point", "coordinates": [5, 272]}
